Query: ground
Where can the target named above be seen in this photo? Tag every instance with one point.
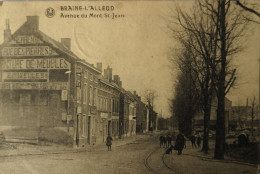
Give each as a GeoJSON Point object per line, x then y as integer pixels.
{"type": "Point", "coordinates": [140, 154]}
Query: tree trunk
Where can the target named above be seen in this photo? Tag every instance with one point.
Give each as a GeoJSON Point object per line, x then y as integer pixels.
{"type": "Point", "coordinates": [220, 125]}
{"type": "Point", "coordinates": [207, 110]}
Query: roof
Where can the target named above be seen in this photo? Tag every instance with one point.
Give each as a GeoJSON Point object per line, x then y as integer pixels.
{"type": "Point", "coordinates": [56, 44]}
{"type": "Point", "coordinates": [27, 28]}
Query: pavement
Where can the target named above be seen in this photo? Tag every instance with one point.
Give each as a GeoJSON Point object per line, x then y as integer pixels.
{"type": "Point", "coordinates": [17, 149]}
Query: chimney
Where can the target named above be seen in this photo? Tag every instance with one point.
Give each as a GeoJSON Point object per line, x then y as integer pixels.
{"type": "Point", "coordinates": [33, 22]}
{"type": "Point", "coordinates": [66, 42]}
{"type": "Point", "coordinates": [117, 80]}
{"type": "Point", "coordinates": [99, 66]}
{"type": "Point", "coordinates": [134, 92]}
{"type": "Point", "coordinates": [108, 74]}
{"type": "Point", "coordinates": [7, 32]}
{"type": "Point", "coordinates": [246, 102]}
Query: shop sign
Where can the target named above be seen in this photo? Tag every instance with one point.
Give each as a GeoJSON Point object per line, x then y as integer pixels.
{"type": "Point", "coordinates": [28, 51]}
{"type": "Point", "coordinates": [35, 85]}
{"type": "Point", "coordinates": [54, 63]}
{"type": "Point", "coordinates": [25, 75]}
{"type": "Point", "coordinates": [27, 39]}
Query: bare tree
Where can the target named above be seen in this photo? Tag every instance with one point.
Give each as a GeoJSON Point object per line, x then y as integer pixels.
{"type": "Point", "coordinates": [244, 6]}
{"type": "Point", "coordinates": [254, 112]}
{"type": "Point", "coordinates": [149, 96]}
{"type": "Point", "coordinates": [216, 39]}
{"type": "Point", "coordinates": [198, 35]}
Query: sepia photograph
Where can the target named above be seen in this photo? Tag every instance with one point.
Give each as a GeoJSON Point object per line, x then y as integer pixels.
{"type": "Point", "coordinates": [130, 87]}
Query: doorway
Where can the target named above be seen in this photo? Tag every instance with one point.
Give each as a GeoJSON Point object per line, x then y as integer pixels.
{"type": "Point", "coordinates": [89, 128]}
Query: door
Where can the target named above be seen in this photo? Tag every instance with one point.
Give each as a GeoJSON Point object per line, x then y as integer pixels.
{"type": "Point", "coordinates": [77, 131]}
{"type": "Point", "coordinates": [109, 127]}
{"type": "Point", "coordinates": [89, 126]}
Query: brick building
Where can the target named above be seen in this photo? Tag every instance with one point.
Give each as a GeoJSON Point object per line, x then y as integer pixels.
{"type": "Point", "coordinates": [44, 86]}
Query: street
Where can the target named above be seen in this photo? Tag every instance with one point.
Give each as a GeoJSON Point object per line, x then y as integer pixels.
{"type": "Point", "coordinates": [142, 155]}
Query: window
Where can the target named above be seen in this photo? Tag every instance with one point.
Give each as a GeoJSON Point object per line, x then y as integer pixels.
{"type": "Point", "coordinates": [58, 75]}
{"type": "Point", "coordinates": [78, 94]}
{"type": "Point", "coordinates": [91, 76]}
{"type": "Point", "coordinates": [99, 103]}
{"type": "Point", "coordinates": [95, 97]}
{"type": "Point", "coordinates": [85, 93]}
{"type": "Point", "coordinates": [113, 105]}
{"type": "Point", "coordinates": [84, 124]}
{"type": "Point", "coordinates": [43, 99]}
{"type": "Point", "coordinates": [105, 104]}
{"type": "Point", "coordinates": [85, 74]}
{"type": "Point", "coordinates": [90, 95]}
{"type": "Point", "coordinates": [95, 79]}
{"type": "Point", "coordinates": [117, 106]}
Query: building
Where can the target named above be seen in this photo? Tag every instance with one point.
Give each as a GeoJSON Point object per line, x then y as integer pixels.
{"type": "Point", "coordinates": [34, 82]}
{"type": "Point", "coordinates": [141, 115]}
{"type": "Point", "coordinates": [108, 107]}
{"type": "Point", "coordinates": [243, 117]}
{"type": "Point", "coordinates": [198, 121]}
{"type": "Point", "coordinates": [85, 100]}
{"type": "Point", "coordinates": [46, 86]}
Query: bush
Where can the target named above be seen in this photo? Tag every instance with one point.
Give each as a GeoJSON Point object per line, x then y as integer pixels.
{"type": "Point", "coordinates": [248, 153]}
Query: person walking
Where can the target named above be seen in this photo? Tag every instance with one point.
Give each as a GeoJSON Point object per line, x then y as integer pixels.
{"type": "Point", "coordinates": [193, 140]}
{"type": "Point", "coordinates": [109, 142]}
{"type": "Point", "coordinates": [164, 141]}
{"type": "Point", "coordinates": [198, 141]}
{"type": "Point", "coordinates": [161, 141]}
{"type": "Point", "coordinates": [179, 143]}
{"type": "Point", "coordinates": [169, 140]}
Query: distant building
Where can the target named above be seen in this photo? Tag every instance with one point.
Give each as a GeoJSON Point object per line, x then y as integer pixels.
{"type": "Point", "coordinates": [165, 123]}
{"type": "Point", "coordinates": [141, 115]}
{"type": "Point", "coordinates": [198, 121]}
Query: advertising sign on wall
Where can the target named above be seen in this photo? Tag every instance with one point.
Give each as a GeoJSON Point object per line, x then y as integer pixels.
{"type": "Point", "coordinates": [28, 51]}
{"type": "Point", "coordinates": [45, 63]}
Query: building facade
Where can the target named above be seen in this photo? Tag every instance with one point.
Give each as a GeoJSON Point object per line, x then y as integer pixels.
{"type": "Point", "coordinates": [44, 86]}
{"type": "Point", "coordinates": [34, 80]}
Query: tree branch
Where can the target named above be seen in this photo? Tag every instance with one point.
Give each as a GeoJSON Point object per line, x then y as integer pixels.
{"type": "Point", "coordinates": [247, 8]}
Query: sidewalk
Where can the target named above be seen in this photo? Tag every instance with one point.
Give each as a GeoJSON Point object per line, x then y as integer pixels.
{"type": "Point", "coordinates": [28, 149]}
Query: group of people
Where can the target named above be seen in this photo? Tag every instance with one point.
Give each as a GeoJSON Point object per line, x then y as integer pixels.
{"type": "Point", "coordinates": [180, 142]}
{"type": "Point", "coordinates": [195, 139]}
{"type": "Point", "coordinates": [165, 140]}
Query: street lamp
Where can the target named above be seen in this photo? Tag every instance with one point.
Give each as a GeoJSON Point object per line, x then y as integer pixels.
{"type": "Point", "coordinates": [68, 99]}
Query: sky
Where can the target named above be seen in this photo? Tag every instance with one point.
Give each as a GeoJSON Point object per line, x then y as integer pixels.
{"type": "Point", "coordinates": [137, 46]}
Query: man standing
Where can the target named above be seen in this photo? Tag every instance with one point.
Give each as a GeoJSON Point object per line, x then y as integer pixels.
{"type": "Point", "coordinates": [198, 141]}
{"type": "Point", "coordinates": [179, 144]}
{"type": "Point", "coordinates": [109, 142]}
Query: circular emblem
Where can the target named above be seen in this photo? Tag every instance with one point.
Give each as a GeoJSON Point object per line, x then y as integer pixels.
{"type": "Point", "coordinates": [50, 12]}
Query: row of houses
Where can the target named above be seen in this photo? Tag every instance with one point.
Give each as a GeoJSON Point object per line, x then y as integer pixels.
{"type": "Point", "coordinates": [44, 85]}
